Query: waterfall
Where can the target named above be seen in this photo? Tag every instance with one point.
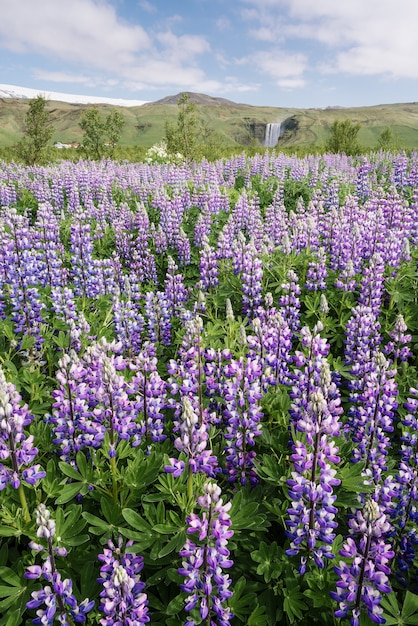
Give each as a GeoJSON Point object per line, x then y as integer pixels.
{"type": "Point", "coordinates": [272, 135]}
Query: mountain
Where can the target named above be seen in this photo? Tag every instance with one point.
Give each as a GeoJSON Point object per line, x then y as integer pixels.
{"type": "Point", "coordinates": [14, 92]}
{"type": "Point", "coordinates": [234, 124]}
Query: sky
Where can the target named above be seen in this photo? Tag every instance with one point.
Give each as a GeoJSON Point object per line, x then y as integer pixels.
{"type": "Point", "coordinates": [277, 53]}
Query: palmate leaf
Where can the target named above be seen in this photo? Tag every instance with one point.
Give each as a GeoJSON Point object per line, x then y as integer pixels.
{"type": "Point", "coordinates": [293, 604]}
{"type": "Point", "coordinates": [270, 559]}
{"type": "Point", "coordinates": [242, 600]}
{"type": "Point", "coordinates": [393, 614]}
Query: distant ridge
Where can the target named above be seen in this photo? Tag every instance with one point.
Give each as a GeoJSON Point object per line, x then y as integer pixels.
{"type": "Point", "coordinates": [18, 93]}
{"type": "Point", "coordinates": [197, 98]}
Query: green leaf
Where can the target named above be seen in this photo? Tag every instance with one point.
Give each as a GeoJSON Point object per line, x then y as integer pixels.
{"type": "Point", "coordinates": [410, 606]}
{"type": "Point", "coordinates": [293, 604]}
{"type": "Point", "coordinates": [6, 531]}
{"type": "Point", "coordinates": [165, 529]}
{"type": "Point", "coordinates": [175, 544]}
{"type": "Point", "coordinates": [68, 492]}
{"type": "Point", "coordinates": [77, 541]}
{"type": "Point", "coordinates": [70, 471]}
{"type": "Point", "coordinates": [136, 521]}
{"type": "Point", "coordinates": [257, 617]}
{"type": "Point", "coordinates": [95, 521]}
{"type": "Point", "coordinates": [175, 605]}
{"type": "Point", "coordinates": [9, 576]}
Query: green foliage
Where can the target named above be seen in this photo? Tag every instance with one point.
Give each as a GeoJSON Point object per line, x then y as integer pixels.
{"type": "Point", "coordinates": [343, 138]}
{"type": "Point", "coordinates": [190, 137]}
{"type": "Point", "coordinates": [101, 136]}
{"type": "Point", "coordinates": [32, 149]}
{"type": "Point", "coordinates": [387, 140]}
{"type": "Point", "coordinates": [182, 138]}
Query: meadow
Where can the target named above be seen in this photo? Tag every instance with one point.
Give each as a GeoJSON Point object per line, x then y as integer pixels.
{"type": "Point", "coordinates": [208, 391]}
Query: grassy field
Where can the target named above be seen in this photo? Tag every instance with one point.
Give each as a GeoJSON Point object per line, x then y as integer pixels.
{"type": "Point", "coordinates": [234, 124]}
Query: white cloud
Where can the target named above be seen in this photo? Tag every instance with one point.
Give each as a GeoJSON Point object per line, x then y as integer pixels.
{"type": "Point", "coordinates": [360, 37]}
{"type": "Point", "coordinates": [81, 31]}
{"type": "Point", "coordinates": [285, 69]}
{"type": "Point", "coordinates": [89, 35]}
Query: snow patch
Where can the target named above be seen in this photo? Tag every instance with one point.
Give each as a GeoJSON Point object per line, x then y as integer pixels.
{"type": "Point", "coordinates": [12, 91]}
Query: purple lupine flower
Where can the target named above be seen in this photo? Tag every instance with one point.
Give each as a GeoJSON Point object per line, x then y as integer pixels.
{"type": "Point", "coordinates": [238, 249]}
{"type": "Point", "coordinates": [123, 600]}
{"type": "Point", "coordinates": [371, 284]}
{"type": "Point", "coordinates": [361, 343]}
{"type": "Point", "coordinates": [70, 407]}
{"type": "Point", "coordinates": [192, 441]}
{"type": "Point", "coordinates": [49, 246]}
{"type": "Point", "coordinates": [241, 392]}
{"type": "Point", "coordinates": [183, 248]}
{"type": "Point", "coordinates": [83, 268]}
{"type": "Point", "coordinates": [128, 322]}
{"type": "Point", "coordinates": [371, 418]}
{"type": "Point", "coordinates": [315, 412]}
{"type": "Point", "coordinates": [16, 448]}
{"type": "Point", "coordinates": [209, 270]}
{"type": "Point", "coordinates": [186, 373]}
{"type": "Point", "coordinates": [364, 576]}
{"type": "Point", "coordinates": [404, 513]}
{"type": "Point", "coordinates": [112, 411]}
{"type": "Point", "coordinates": [289, 302]}
{"type": "Point", "coordinates": [272, 341]}
{"type": "Point", "coordinates": [150, 393]}
{"type": "Point", "coordinates": [345, 280]}
{"type": "Point", "coordinates": [397, 348]}
{"type": "Point", "coordinates": [63, 305]}
{"type": "Point", "coordinates": [317, 272]}
{"type": "Point", "coordinates": [207, 585]}
{"type": "Point", "coordinates": [158, 317]}
{"type": "Point", "coordinates": [175, 292]}
{"type": "Point", "coordinates": [251, 276]}
{"type": "Point", "coordinates": [55, 600]}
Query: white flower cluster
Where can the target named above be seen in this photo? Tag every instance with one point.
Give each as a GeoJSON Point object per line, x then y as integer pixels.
{"type": "Point", "coordinates": [158, 154]}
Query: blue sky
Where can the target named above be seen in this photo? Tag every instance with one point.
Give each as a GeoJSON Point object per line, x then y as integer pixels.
{"type": "Point", "coordinates": [281, 53]}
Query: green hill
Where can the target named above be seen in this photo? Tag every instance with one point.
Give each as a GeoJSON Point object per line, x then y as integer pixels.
{"type": "Point", "coordinates": [236, 124]}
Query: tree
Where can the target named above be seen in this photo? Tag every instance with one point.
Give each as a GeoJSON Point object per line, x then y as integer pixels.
{"type": "Point", "coordinates": [343, 137]}
{"type": "Point", "coordinates": [114, 126]}
{"type": "Point", "coordinates": [182, 138]}
{"type": "Point", "coordinates": [101, 135]}
{"type": "Point", "coordinates": [387, 139]}
{"type": "Point", "coordinates": [39, 130]}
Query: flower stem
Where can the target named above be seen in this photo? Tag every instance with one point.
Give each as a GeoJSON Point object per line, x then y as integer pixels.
{"type": "Point", "coordinates": [189, 484]}
{"type": "Point", "coordinates": [24, 503]}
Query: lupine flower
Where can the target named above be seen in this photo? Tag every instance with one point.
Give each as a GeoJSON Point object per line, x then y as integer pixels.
{"type": "Point", "coordinates": [175, 292]}
{"type": "Point", "coordinates": [55, 600]}
{"type": "Point", "coordinates": [362, 341]}
{"type": "Point", "coordinates": [158, 317]}
{"type": "Point", "coordinates": [289, 302]}
{"type": "Point", "coordinates": [207, 585]}
{"type": "Point", "coordinates": [209, 270]}
{"type": "Point", "coordinates": [17, 450]}
{"type": "Point", "coordinates": [241, 391]}
{"type": "Point", "coordinates": [315, 413]}
{"type": "Point", "coordinates": [150, 393]}
{"type": "Point", "coordinates": [123, 600]}
{"type": "Point", "coordinates": [363, 579]}
{"type": "Point", "coordinates": [397, 348]}
{"type": "Point", "coordinates": [251, 276]}
{"type": "Point", "coordinates": [192, 441]}
{"type": "Point", "coordinates": [317, 272]}
{"type": "Point", "coordinates": [128, 323]}
{"type": "Point", "coordinates": [371, 418]}
{"type": "Point", "coordinates": [404, 513]}
{"type": "Point", "coordinates": [272, 342]}
{"type": "Point", "coordinates": [346, 279]}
